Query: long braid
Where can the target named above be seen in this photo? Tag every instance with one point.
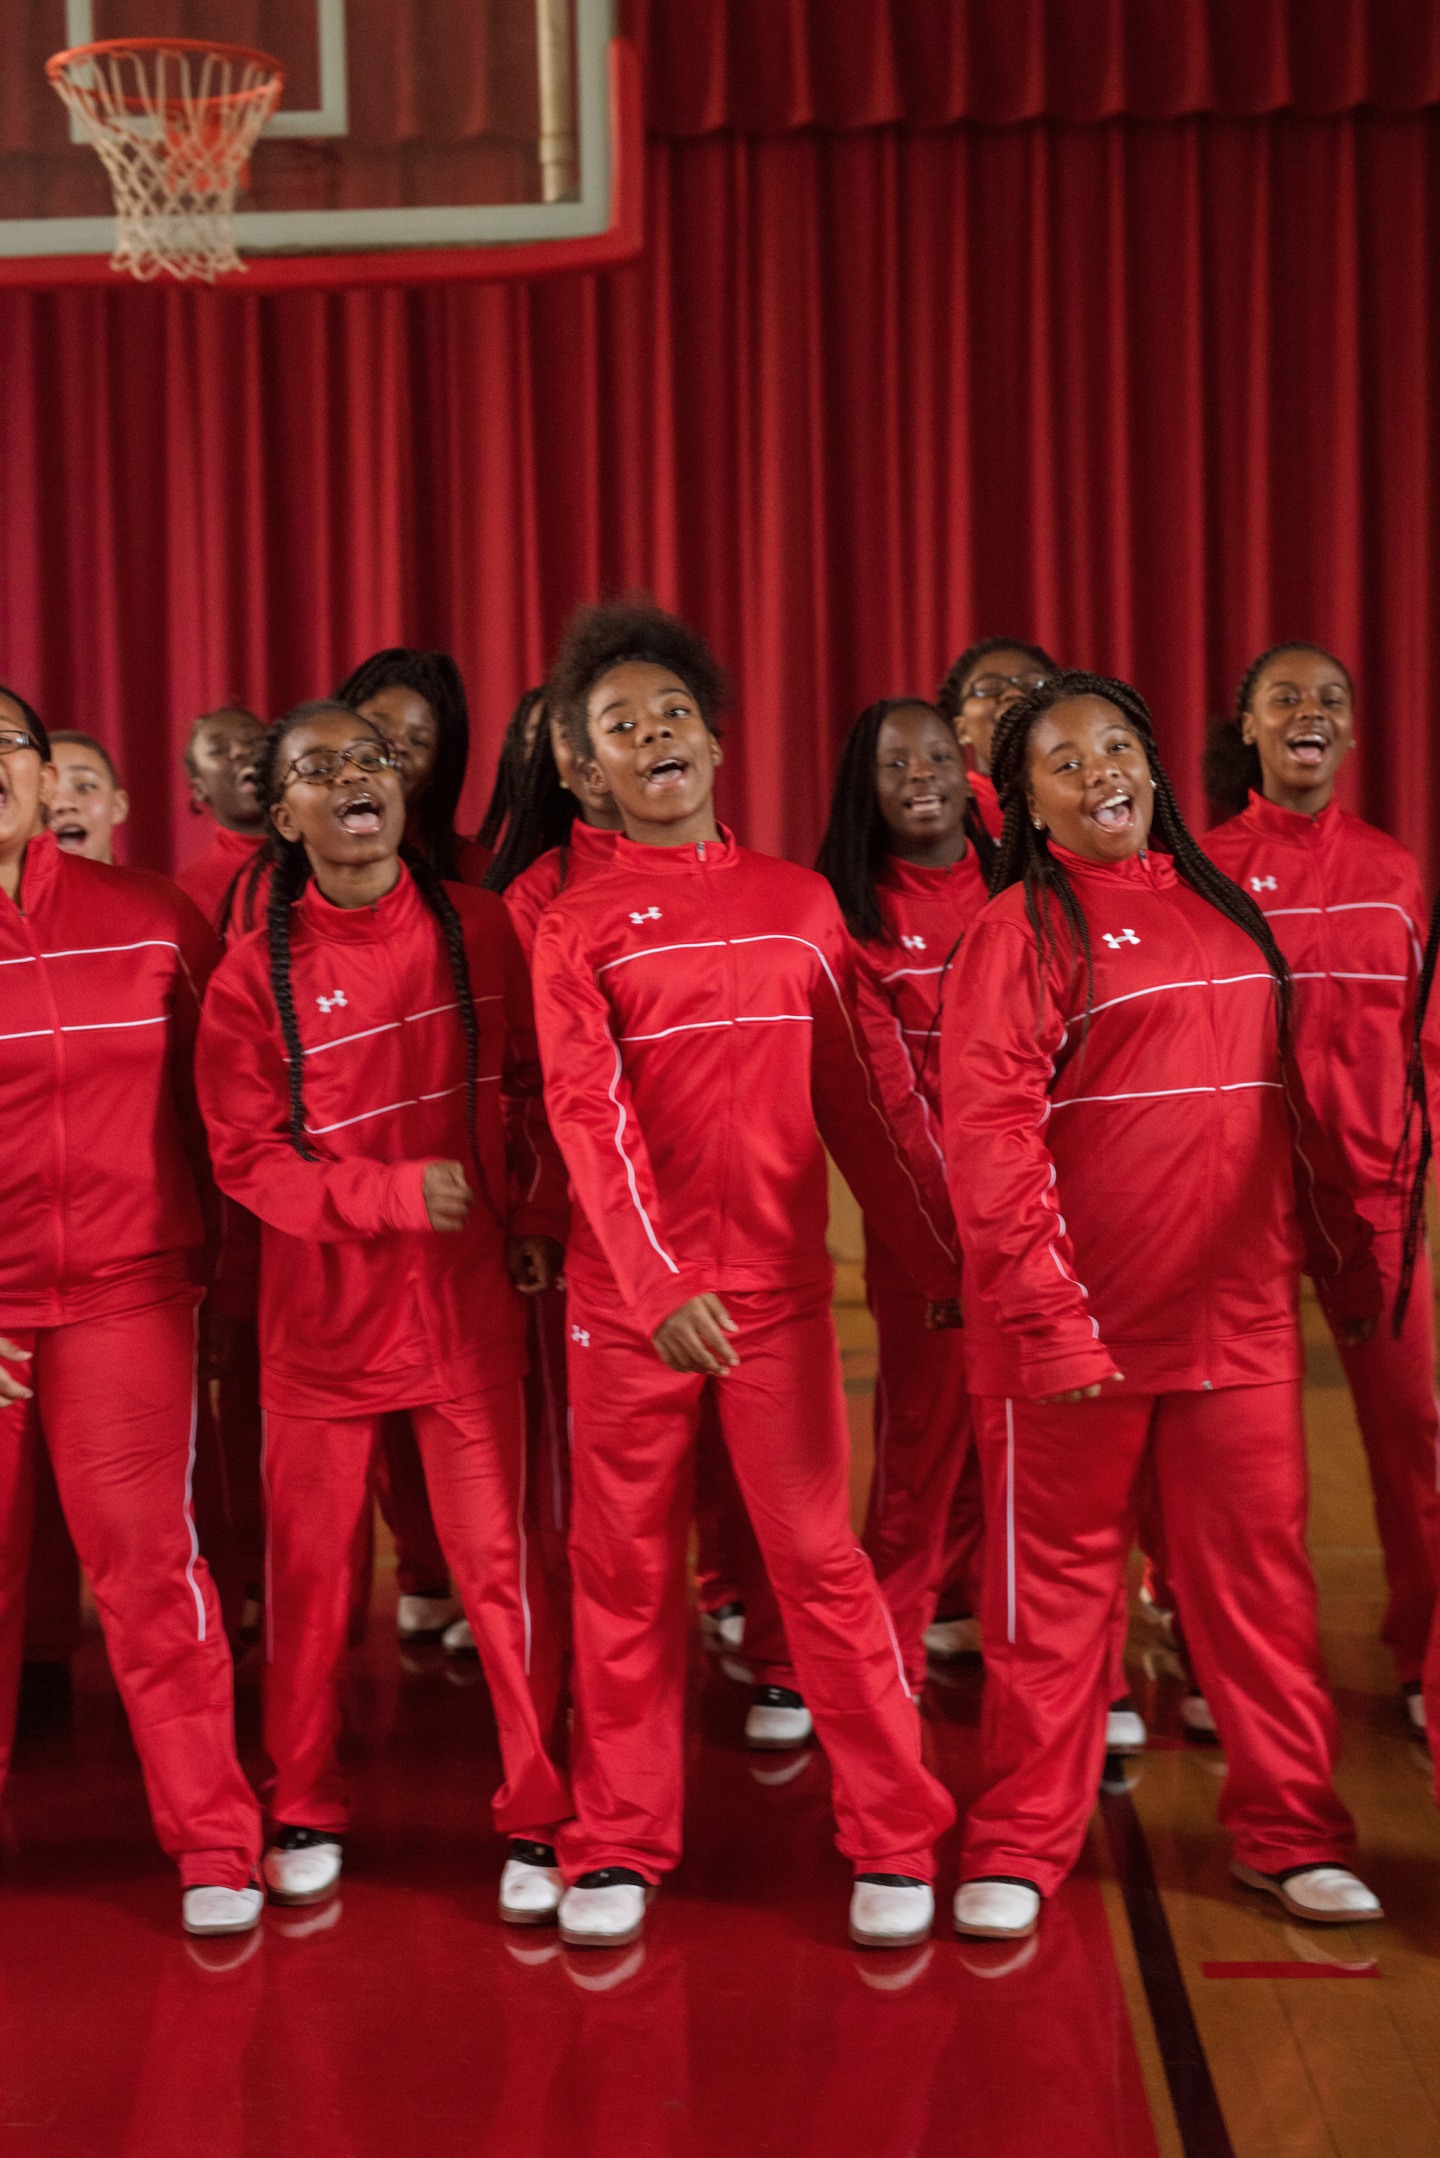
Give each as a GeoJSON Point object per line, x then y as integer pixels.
{"type": "Point", "coordinates": [290, 873]}
{"type": "Point", "coordinates": [1417, 1111]}
{"type": "Point", "coordinates": [250, 874]}
{"type": "Point", "coordinates": [1024, 855]}
{"type": "Point", "coordinates": [432, 890]}
{"type": "Point", "coordinates": [540, 818]}
{"type": "Point", "coordinates": [510, 771]}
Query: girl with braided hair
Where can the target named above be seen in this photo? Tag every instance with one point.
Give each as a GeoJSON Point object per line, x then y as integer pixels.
{"type": "Point", "coordinates": [522, 731]}
{"type": "Point", "coordinates": [1121, 1118]}
{"type": "Point", "coordinates": [902, 857]}
{"type": "Point", "coordinates": [368, 1075]}
{"type": "Point", "coordinates": [980, 688]}
{"type": "Point", "coordinates": [1345, 904]}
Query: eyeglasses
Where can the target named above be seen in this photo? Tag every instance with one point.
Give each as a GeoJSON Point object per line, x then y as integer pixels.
{"type": "Point", "coordinates": [318, 766]}
{"type": "Point", "coordinates": [990, 686]}
{"type": "Point", "coordinates": [11, 740]}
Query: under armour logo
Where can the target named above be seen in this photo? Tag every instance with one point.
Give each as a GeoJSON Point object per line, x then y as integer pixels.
{"type": "Point", "coordinates": [580, 1335]}
{"type": "Point", "coordinates": [1126, 936]}
{"type": "Point", "coordinates": [328, 1004]}
{"type": "Point", "coordinates": [913, 944]}
{"type": "Point", "coordinates": [651, 914]}
{"type": "Point", "coordinates": [1263, 884]}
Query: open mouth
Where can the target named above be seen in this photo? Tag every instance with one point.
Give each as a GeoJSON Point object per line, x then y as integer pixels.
{"type": "Point", "coordinates": [360, 814]}
{"type": "Point", "coordinates": [1116, 813]}
{"type": "Point", "coordinates": [927, 804]}
{"type": "Point", "coordinates": [1310, 747]}
{"type": "Point", "coordinates": [667, 772]}
{"type": "Point", "coordinates": [70, 835]}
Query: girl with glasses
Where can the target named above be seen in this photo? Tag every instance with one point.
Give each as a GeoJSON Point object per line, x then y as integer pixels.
{"type": "Point", "coordinates": [368, 1075]}
{"type": "Point", "coordinates": [980, 688]}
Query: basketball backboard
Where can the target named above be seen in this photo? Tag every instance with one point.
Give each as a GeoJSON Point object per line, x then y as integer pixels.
{"type": "Point", "coordinates": [415, 140]}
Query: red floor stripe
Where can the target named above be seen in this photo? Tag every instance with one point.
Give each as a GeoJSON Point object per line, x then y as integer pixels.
{"type": "Point", "coordinates": [1290, 1970]}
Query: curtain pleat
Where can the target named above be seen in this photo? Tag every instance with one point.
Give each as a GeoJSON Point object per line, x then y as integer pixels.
{"type": "Point", "coordinates": [1156, 394]}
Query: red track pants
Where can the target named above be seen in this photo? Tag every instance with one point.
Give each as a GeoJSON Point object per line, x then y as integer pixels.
{"type": "Point", "coordinates": [782, 1415]}
{"type": "Point", "coordinates": [1061, 1490]}
{"type": "Point", "coordinates": [117, 1401]}
{"type": "Point", "coordinates": [922, 1438]}
{"type": "Point", "coordinates": [317, 1479]}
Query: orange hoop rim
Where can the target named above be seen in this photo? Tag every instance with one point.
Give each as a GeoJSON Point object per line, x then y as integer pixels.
{"type": "Point", "coordinates": [58, 62]}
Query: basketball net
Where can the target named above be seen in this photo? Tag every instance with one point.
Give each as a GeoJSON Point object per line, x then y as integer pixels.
{"type": "Point", "coordinates": [174, 121]}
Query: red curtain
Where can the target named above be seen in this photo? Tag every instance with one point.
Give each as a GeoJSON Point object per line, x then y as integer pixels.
{"type": "Point", "coordinates": [1153, 392]}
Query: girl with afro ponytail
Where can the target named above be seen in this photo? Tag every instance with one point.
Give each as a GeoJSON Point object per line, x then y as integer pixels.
{"type": "Point", "coordinates": [1133, 1167]}
{"type": "Point", "coordinates": [907, 860]}
{"type": "Point", "coordinates": [1345, 904]}
{"type": "Point", "coordinates": [368, 1076]}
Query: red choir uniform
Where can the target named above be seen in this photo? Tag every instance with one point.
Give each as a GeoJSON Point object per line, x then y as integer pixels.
{"type": "Point", "coordinates": [697, 1018]}
{"type": "Point", "coordinates": [218, 880]}
{"type": "Point", "coordinates": [398, 1471]}
{"type": "Point", "coordinates": [922, 1416]}
{"type": "Point", "coordinates": [1344, 903]}
{"type": "Point", "coordinates": [728, 1567]}
{"type": "Point", "coordinates": [546, 1392]}
{"type": "Point", "coordinates": [101, 1265]}
{"type": "Point", "coordinates": [364, 1309]}
{"type": "Point", "coordinates": [1430, 1052]}
{"type": "Point", "coordinates": [1124, 1188]}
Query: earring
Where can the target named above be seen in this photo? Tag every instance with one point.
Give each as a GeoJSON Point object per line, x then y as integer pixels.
{"type": "Point", "coordinates": [564, 786]}
{"type": "Point", "coordinates": [1039, 823]}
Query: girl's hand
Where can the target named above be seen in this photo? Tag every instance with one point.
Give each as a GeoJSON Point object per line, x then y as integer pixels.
{"type": "Point", "coordinates": [448, 1198]}
{"type": "Point", "coordinates": [1083, 1393]}
{"type": "Point", "coordinates": [10, 1387]}
{"type": "Point", "coordinates": [693, 1338]}
{"type": "Point", "coordinates": [534, 1262]}
{"type": "Point", "coordinates": [1354, 1331]}
{"type": "Point", "coordinates": [942, 1313]}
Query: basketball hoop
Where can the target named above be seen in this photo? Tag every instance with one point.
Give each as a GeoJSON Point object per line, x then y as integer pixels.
{"type": "Point", "coordinates": [174, 121]}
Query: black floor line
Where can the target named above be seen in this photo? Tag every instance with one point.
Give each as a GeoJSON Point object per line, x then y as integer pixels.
{"type": "Point", "coordinates": [1192, 2090]}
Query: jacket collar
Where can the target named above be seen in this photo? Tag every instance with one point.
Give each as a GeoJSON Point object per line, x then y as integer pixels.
{"type": "Point", "coordinates": [236, 846]}
{"type": "Point", "coordinates": [718, 853]}
{"type": "Point", "coordinates": [1293, 824]}
{"type": "Point", "coordinates": [588, 843]}
{"type": "Point", "coordinates": [43, 866]}
{"type": "Point", "coordinates": [388, 917]}
{"type": "Point", "coordinates": [1151, 868]}
{"type": "Point", "coordinates": [918, 881]}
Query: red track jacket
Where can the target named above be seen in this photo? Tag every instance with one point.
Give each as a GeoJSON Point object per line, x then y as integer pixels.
{"type": "Point", "coordinates": [696, 1008]}
{"type": "Point", "coordinates": [1344, 903]}
{"type": "Point", "coordinates": [928, 911]}
{"type": "Point", "coordinates": [101, 972]}
{"type": "Point", "coordinates": [362, 1305]}
{"type": "Point", "coordinates": [528, 895]}
{"type": "Point", "coordinates": [1124, 1192]}
{"type": "Point", "coordinates": [207, 879]}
